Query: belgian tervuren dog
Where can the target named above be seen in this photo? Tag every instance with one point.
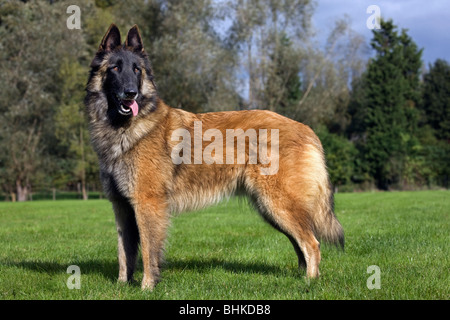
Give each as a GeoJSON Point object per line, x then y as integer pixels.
{"type": "Point", "coordinates": [156, 160]}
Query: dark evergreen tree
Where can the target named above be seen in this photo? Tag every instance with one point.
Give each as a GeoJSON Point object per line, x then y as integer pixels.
{"type": "Point", "coordinates": [435, 130]}
{"type": "Point", "coordinates": [436, 98]}
{"type": "Point", "coordinates": [384, 108]}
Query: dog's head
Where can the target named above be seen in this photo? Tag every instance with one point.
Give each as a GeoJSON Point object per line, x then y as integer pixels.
{"type": "Point", "coordinates": [122, 74]}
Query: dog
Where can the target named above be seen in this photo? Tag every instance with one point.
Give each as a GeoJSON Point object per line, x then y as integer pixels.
{"type": "Point", "coordinates": [149, 170]}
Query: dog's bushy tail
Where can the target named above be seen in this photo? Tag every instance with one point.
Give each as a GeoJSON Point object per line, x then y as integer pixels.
{"type": "Point", "coordinates": [326, 225]}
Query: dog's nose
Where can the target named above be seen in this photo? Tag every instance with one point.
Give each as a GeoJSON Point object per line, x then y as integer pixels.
{"type": "Point", "coordinates": [130, 93]}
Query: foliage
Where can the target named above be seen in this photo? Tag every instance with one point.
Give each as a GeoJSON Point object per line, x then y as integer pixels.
{"type": "Point", "coordinates": [340, 155]}
{"type": "Point", "coordinates": [193, 68]}
{"type": "Point", "coordinates": [379, 121]}
{"type": "Point", "coordinates": [436, 98]}
{"type": "Point", "coordinates": [70, 125]}
{"type": "Point", "coordinates": [30, 57]}
{"type": "Point", "coordinates": [283, 88]}
{"type": "Point", "coordinates": [388, 103]}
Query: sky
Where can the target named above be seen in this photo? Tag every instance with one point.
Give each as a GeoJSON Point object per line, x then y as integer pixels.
{"type": "Point", "coordinates": [427, 21]}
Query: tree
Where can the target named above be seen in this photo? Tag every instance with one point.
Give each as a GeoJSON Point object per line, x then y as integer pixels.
{"type": "Point", "coordinates": [386, 107]}
{"type": "Point", "coordinates": [193, 68]}
{"type": "Point", "coordinates": [27, 70]}
{"type": "Point", "coordinates": [71, 127]}
{"type": "Point", "coordinates": [435, 129]}
{"type": "Point", "coordinates": [291, 64]}
{"type": "Point", "coordinates": [436, 98]}
{"type": "Point", "coordinates": [326, 75]}
{"type": "Point", "coordinates": [33, 46]}
{"type": "Point", "coordinates": [283, 89]}
{"type": "Point", "coordinates": [340, 155]}
{"type": "Point", "coordinates": [265, 32]}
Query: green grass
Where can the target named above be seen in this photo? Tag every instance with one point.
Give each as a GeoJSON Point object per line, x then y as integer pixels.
{"type": "Point", "coordinates": [228, 252]}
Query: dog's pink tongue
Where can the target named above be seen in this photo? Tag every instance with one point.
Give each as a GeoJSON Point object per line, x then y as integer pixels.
{"type": "Point", "coordinates": [134, 108]}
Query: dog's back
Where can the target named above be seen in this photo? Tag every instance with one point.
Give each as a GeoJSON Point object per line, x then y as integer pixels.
{"type": "Point", "coordinates": [294, 195]}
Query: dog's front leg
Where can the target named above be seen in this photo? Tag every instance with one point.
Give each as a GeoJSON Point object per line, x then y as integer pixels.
{"type": "Point", "coordinates": [152, 220]}
{"type": "Point", "coordinates": [128, 239]}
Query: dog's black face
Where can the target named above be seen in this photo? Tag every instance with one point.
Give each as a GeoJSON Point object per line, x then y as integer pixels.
{"type": "Point", "coordinates": [122, 74]}
{"type": "Point", "coordinates": [123, 82]}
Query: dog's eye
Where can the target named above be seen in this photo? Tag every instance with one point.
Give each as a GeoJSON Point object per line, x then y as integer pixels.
{"type": "Point", "coordinates": [136, 70]}
{"type": "Point", "coordinates": [115, 68]}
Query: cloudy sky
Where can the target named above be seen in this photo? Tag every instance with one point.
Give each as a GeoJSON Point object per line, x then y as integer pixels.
{"type": "Point", "coordinates": [427, 21]}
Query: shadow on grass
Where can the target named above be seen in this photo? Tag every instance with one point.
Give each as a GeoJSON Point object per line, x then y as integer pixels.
{"type": "Point", "coordinates": [109, 268]}
{"type": "Point", "coordinates": [205, 265]}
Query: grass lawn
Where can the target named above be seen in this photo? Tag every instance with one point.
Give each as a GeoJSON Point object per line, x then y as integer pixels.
{"type": "Point", "coordinates": [228, 252]}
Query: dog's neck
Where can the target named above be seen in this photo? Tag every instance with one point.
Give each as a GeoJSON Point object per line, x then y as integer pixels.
{"type": "Point", "coordinates": [110, 141]}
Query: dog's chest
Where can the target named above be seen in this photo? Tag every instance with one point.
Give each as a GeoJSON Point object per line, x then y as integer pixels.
{"type": "Point", "coordinates": [117, 178]}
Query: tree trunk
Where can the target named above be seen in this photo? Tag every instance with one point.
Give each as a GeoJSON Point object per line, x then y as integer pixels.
{"type": "Point", "coordinates": [22, 191]}
{"type": "Point", "coordinates": [83, 167]}
{"type": "Point", "coordinates": [251, 97]}
{"type": "Point", "coordinates": [84, 191]}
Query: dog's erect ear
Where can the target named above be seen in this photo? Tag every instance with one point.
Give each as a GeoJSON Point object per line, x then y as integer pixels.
{"type": "Point", "coordinates": [111, 40]}
{"type": "Point", "coordinates": [134, 39]}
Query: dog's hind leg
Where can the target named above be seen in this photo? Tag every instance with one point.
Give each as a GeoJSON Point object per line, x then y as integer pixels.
{"type": "Point", "coordinates": [309, 248]}
{"type": "Point", "coordinates": [268, 217]}
{"type": "Point", "coordinates": [128, 239]}
{"type": "Point", "coordinates": [297, 227]}
{"type": "Point", "coordinates": [287, 212]}
{"type": "Point", "coordinates": [298, 251]}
